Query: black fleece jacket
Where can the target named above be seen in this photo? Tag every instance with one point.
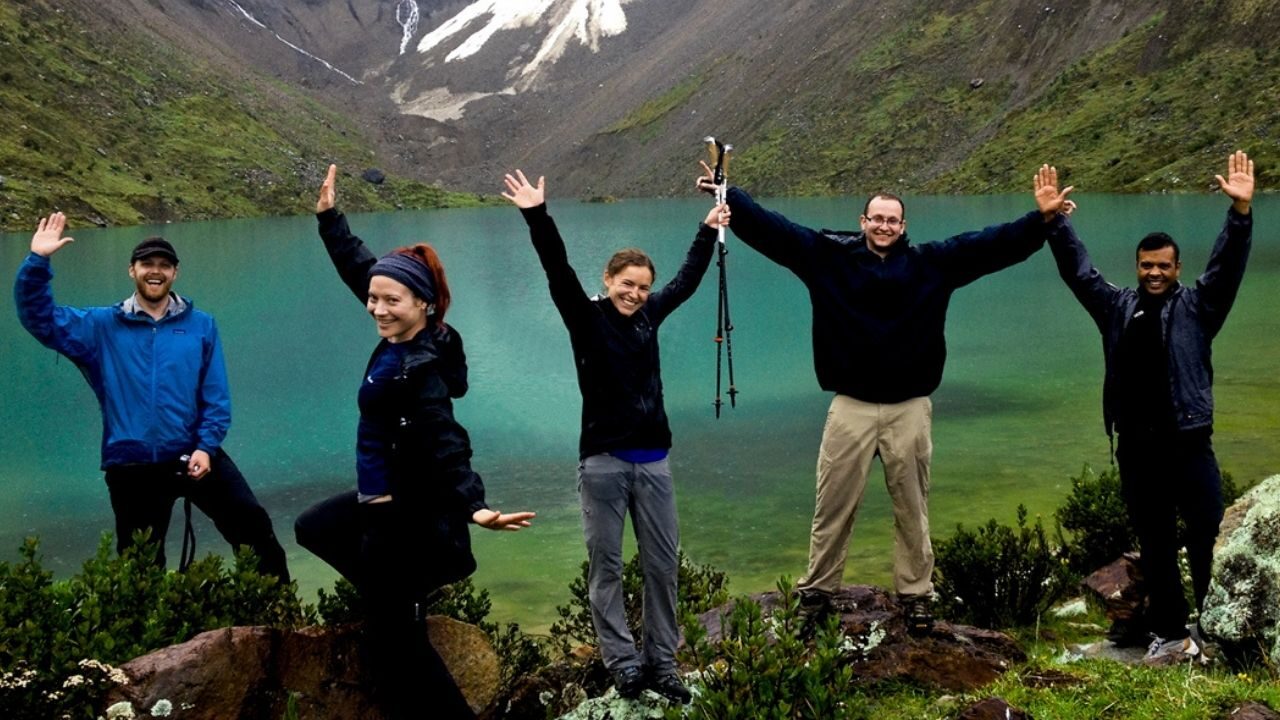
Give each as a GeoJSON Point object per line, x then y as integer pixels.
{"type": "Point", "coordinates": [878, 322]}
{"type": "Point", "coordinates": [619, 372]}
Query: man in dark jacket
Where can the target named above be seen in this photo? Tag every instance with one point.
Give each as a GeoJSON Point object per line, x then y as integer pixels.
{"type": "Point", "coordinates": [1158, 395]}
{"type": "Point", "coordinates": [879, 310]}
{"type": "Point", "coordinates": [155, 364]}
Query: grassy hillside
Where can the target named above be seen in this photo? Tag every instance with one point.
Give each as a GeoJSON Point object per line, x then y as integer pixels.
{"type": "Point", "coordinates": [969, 96]}
{"type": "Point", "coordinates": [115, 128]}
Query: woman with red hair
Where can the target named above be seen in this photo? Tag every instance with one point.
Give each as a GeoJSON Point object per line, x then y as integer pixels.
{"type": "Point", "coordinates": [402, 534]}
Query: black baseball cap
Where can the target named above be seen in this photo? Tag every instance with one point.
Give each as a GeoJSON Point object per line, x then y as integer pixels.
{"type": "Point", "coordinates": [154, 246]}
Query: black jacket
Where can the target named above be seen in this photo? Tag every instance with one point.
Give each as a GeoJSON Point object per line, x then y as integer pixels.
{"type": "Point", "coordinates": [1189, 319]}
{"type": "Point", "coordinates": [878, 323]}
{"type": "Point", "coordinates": [434, 488]}
{"type": "Point", "coordinates": [619, 372]}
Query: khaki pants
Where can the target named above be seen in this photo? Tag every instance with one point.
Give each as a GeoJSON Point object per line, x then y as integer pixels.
{"type": "Point", "coordinates": [855, 433]}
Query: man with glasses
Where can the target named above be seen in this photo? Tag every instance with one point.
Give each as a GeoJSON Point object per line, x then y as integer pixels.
{"type": "Point", "coordinates": [879, 308]}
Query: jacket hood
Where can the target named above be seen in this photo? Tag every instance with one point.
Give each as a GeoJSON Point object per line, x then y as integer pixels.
{"type": "Point", "coordinates": [443, 346]}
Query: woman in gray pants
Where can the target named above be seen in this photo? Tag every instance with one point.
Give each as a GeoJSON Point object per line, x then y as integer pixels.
{"type": "Point", "coordinates": [625, 435]}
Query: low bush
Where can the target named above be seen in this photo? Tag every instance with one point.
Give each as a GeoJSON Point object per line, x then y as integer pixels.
{"type": "Point", "coordinates": [59, 639]}
{"type": "Point", "coordinates": [763, 668]}
{"type": "Point", "coordinates": [999, 576]}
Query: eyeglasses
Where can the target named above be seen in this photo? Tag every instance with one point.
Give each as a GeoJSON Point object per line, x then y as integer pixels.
{"type": "Point", "coordinates": [892, 222]}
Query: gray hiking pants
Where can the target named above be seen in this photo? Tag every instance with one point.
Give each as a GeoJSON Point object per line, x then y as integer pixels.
{"type": "Point", "coordinates": [608, 488]}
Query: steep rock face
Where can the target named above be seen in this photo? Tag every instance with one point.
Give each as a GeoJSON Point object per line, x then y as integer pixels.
{"type": "Point", "coordinates": [1241, 607]}
{"type": "Point", "coordinates": [251, 672]}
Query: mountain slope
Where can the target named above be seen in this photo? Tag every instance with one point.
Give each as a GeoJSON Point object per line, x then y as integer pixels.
{"type": "Point", "coordinates": [613, 97]}
{"type": "Point", "coordinates": [114, 125]}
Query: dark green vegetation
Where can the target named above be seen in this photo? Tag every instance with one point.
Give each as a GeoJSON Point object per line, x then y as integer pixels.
{"type": "Point", "coordinates": [112, 126]}
{"type": "Point", "coordinates": [56, 638]}
{"type": "Point", "coordinates": [969, 97]}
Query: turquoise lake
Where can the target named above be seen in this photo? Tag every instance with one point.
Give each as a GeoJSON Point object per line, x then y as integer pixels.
{"type": "Point", "coordinates": [1018, 413]}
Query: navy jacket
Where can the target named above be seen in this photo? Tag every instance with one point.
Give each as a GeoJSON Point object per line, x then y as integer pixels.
{"type": "Point", "coordinates": [1191, 317]}
{"type": "Point", "coordinates": [161, 384]}
{"type": "Point", "coordinates": [428, 454]}
{"type": "Point", "coordinates": [878, 322]}
{"type": "Point", "coordinates": [619, 372]}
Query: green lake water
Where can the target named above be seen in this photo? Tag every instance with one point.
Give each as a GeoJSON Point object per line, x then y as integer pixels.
{"type": "Point", "coordinates": [1018, 413]}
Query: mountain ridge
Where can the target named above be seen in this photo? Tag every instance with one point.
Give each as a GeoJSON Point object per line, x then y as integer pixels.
{"type": "Point", "coordinates": [818, 97]}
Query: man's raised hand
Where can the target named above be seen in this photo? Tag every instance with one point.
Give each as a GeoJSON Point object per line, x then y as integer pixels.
{"type": "Point", "coordinates": [48, 237]}
{"type": "Point", "coordinates": [328, 191]}
{"type": "Point", "coordinates": [1238, 184]}
{"type": "Point", "coordinates": [1049, 199]}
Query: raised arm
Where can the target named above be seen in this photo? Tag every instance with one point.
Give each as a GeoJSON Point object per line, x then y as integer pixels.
{"type": "Point", "coordinates": [1218, 285]}
{"type": "Point", "coordinates": [65, 329]}
{"type": "Point", "coordinates": [968, 256]}
{"type": "Point", "coordinates": [349, 255]}
{"type": "Point", "coordinates": [687, 278]}
{"type": "Point", "coordinates": [1078, 271]}
{"type": "Point", "coordinates": [566, 289]}
{"type": "Point", "coordinates": [767, 232]}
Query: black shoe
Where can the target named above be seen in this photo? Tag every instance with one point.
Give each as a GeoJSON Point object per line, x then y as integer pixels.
{"type": "Point", "coordinates": [815, 606]}
{"type": "Point", "coordinates": [670, 687]}
{"type": "Point", "coordinates": [630, 681]}
{"type": "Point", "coordinates": [917, 612]}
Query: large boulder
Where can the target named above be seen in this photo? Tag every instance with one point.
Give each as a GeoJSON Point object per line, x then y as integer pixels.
{"type": "Point", "coordinates": [251, 673]}
{"type": "Point", "coordinates": [951, 657]}
{"type": "Point", "coordinates": [1241, 609]}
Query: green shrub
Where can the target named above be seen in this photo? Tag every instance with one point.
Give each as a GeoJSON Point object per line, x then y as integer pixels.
{"type": "Point", "coordinates": [762, 668]}
{"type": "Point", "coordinates": [998, 576]}
{"type": "Point", "coordinates": [1095, 517]}
{"type": "Point", "coordinates": [57, 639]}
{"type": "Point", "coordinates": [699, 588]}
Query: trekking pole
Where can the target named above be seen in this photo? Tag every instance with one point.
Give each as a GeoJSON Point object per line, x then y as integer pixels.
{"type": "Point", "coordinates": [724, 325]}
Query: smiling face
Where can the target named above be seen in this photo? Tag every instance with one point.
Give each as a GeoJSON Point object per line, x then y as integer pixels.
{"type": "Point", "coordinates": [153, 277]}
{"type": "Point", "coordinates": [399, 313]}
{"type": "Point", "coordinates": [628, 289]}
{"type": "Point", "coordinates": [882, 224]}
{"type": "Point", "coordinates": [1158, 270]}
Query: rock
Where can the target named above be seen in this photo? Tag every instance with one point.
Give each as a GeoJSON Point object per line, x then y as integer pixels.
{"type": "Point", "coordinates": [1252, 711]}
{"type": "Point", "coordinates": [952, 657]}
{"type": "Point", "coordinates": [251, 672]}
{"type": "Point", "coordinates": [1118, 588]}
{"type": "Point", "coordinates": [556, 689]}
{"type": "Point", "coordinates": [1241, 610]}
{"type": "Point", "coordinates": [993, 708]}
{"type": "Point", "coordinates": [373, 175]}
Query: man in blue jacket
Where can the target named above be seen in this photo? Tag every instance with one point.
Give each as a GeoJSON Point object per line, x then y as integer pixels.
{"type": "Point", "coordinates": [879, 310]}
{"type": "Point", "coordinates": [1157, 396]}
{"type": "Point", "coordinates": [155, 364]}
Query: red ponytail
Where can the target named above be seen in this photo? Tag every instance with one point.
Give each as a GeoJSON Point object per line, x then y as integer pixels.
{"type": "Point", "coordinates": [426, 254]}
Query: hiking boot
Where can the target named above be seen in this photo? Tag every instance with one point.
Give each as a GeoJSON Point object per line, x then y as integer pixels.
{"type": "Point", "coordinates": [669, 686]}
{"type": "Point", "coordinates": [629, 681]}
{"type": "Point", "coordinates": [815, 606]}
{"type": "Point", "coordinates": [1171, 652]}
{"type": "Point", "coordinates": [917, 613]}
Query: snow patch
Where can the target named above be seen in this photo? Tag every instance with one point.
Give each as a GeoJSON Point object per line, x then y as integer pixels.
{"type": "Point", "coordinates": [438, 103]}
{"type": "Point", "coordinates": [586, 21]}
